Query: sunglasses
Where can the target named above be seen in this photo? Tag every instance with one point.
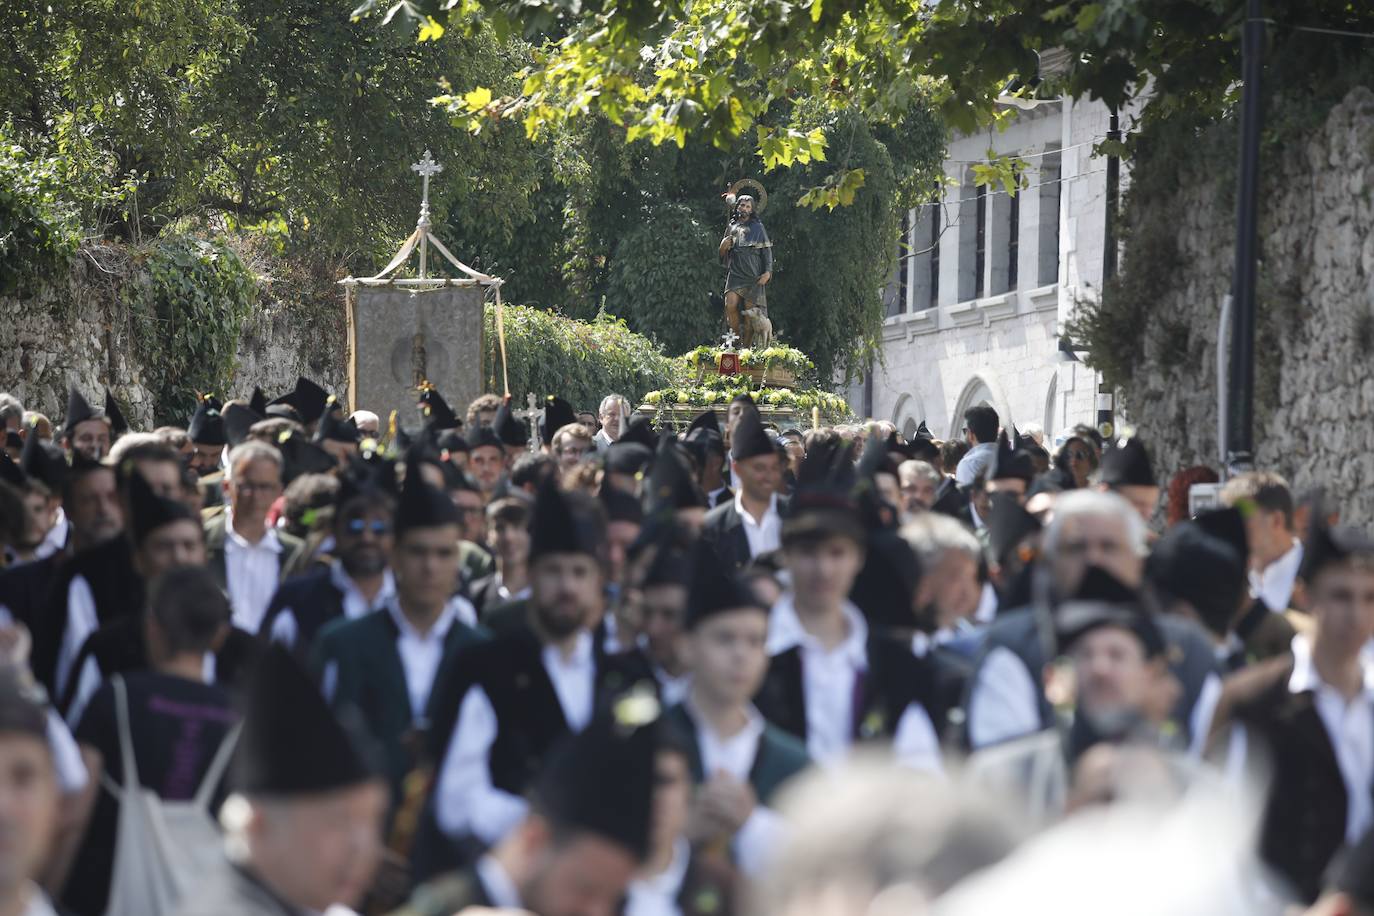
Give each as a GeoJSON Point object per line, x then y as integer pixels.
{"type": "Point", "coordinates": [1076, 455]}
{"type": "Point", "coordinates": [376, 526]}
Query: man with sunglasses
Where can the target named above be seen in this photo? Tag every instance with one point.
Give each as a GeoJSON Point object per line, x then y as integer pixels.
{"type": "Point", "coordinates": [358, 581]}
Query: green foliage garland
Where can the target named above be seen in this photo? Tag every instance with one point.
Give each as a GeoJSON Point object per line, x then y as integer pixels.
{"type": "Point", "coordinates": [188, 307]}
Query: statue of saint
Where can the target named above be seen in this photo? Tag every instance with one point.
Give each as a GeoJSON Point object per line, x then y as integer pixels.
{"type": "Point", "coordinates": [748, 257]}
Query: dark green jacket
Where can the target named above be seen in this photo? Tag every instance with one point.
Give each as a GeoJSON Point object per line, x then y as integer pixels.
{"type": "Point", "coordinates": [779, 758]}
{"type": "Point", "coordinates": [291, 548]}
{"type": "Point", "coordinates": [367, 675]}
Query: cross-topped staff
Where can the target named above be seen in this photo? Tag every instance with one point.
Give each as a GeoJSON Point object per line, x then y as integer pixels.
{"type": "Point", "coordinates": [533, 414]}
{"type": "Point", "coordinates": [425, 168]}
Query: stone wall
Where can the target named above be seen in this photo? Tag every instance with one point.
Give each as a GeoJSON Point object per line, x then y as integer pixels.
{"type": "Point", "coordinates": [1315, 371]}
{"type": "Point", "coordinates": [78, 331]}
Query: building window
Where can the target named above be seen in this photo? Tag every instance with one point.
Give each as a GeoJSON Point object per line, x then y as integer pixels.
{"type": "Point", "coordinates": [934, 298]}
{"type": "Point", "coordinates": [1047, 272]}
{"type": "Point", "coordinates": [980, 254]}
{"type": "Point", "coordinates": [1004, 225]}
{"type": "Point", "coordinates": [969, 273]}
{"type": "Point", "coordinates": [895, 294]}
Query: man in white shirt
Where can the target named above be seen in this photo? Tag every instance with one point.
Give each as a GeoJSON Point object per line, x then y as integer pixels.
{"type": "Point", "coordinates": [750, 524]}
{"type": "Point", "coordinates": [614, 415]}
{"type": "Point", "coordinates": [511, 700]}
{"type": "Point", "coordinates": [1276, 554]}
{"type": "Point", "coordinates": [587, 831]}
{"type": "Point", "coordinates": [981, 424]}
{"type": "Point", "coordinates": [1313, 713]}
{"type": "Point", "coordinates": [250, 556]}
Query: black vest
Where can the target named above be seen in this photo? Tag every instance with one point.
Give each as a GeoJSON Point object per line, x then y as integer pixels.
{"type": "Point", "coordinates": [313, 599]}
{"type": "Point", "coordinates": [1305, 812]}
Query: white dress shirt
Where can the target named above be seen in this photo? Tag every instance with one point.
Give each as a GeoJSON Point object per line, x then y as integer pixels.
{"type": "Point", "coordinates": [1350, 726]}
{"type": "Point", "coordinates": [975, 462]}
{"type": "Point", "coordinates": [56, 538]}
{"type": "Point", "coordinates": [286, 629]}
{"type": "Point", "coordinates": [1003, 700]}
{"type": "Point", "coordinates": [38, 903]}
{"type": "Point", "coordinates": [1274, 584]}
{"type": "Point", "coordinates": [251, 572]}
{"type": "Point", "coordinates": [467, 802]}
{"type": "Point", "coordinates": [82, 621]}
{"type": "Point", "coordinates": [501, 890]}
{"type": "Point", "coordinates": [656, 895]}
{"type": "Point", "coordinates": [829, 676]}
{"type": "Point", "coordinates": [763, 832]}
{"type": "Point", "coordinates": [765, 533]}
{"type": "Point", "coordinates": [421, 653]}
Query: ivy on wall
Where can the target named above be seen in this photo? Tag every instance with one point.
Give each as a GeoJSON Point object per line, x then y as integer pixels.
{"type": "Point", "coordinates": [188, 306]}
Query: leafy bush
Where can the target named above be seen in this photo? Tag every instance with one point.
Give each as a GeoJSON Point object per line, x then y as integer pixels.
{"type": "Point", "coordinates": [581, 361]}
{"type": "Point", "coordinates": [38, 232]}
{"type": "Point", "coordinates": [661, 275]}
{"type": "Point", "coordinates": [188, 306]}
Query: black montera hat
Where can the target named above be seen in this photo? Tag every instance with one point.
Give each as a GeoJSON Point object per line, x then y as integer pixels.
{"type": "Point", "coordinates": [750, 439]}
{"type": "Point", "coordinates": [565, 523]}
{"type": "Point", "coordinates": [558, 413]}
{"type": "Point", "coordinates": [1127, 465]}
{"type": "Point", "coordinates": [148, 511]}
{"type": "Point", "coordinates": [79, 410]}
{"type": "Point", "coordinates": [421, 505]}
{"type": "Point", "coordinates": [715, 589]}
{"type": "Point", "coordinates": [510, 429]}
{"type": "Point", "coordinates": [207, 423]}
{"type": "Point", "coordinates": [118, 425]}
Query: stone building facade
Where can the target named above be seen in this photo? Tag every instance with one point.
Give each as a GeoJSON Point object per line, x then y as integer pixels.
{"type": "Point", "coordinates": [985, 282]}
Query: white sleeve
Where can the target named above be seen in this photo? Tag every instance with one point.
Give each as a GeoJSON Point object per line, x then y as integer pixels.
{"type": "Point", "coordinates": [1003, 702]}
{"type": "Point", "coordinates": [1200, 721]}
{"type": "Point", "coordinates": [81, 623]}
{"type": "Point", "coordinates": [71, 771]}
{"type": "Point", "coordinates": [757, 841]}
{"type": "Point", "coordinates": [467, 802]}
{"type": "Point", "coordinates": [284, 628]}
{"type": "Point", "coordinates": [88, 682]}
{"type": "Point", "coordinates": [915, 743]}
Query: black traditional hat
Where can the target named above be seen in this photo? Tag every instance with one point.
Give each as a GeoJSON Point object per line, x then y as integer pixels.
{"type": "Point", "coordinates": [602, 780]}
{"type": "Point", "coordinates": [874, 511]}
{"type": "Point", "coordinates": [750, 439]}
{"type": "Point", "coordinates": [484, 436]}
{"type": "Point", "coordinates": [639, 430]}
{"type": "Point", "coordinates": [13, 439]}
{"type": "Point", "coordinates": [628, 457]}
{"type": "Point", "coordinates": [453, 441]}
{"type": "Point", "coordinates": [207, 423]}
{"type": "Point", "coordinates": [23, 705]}
{"type": "Point", "coordinates": [292, 743]}
{"type": "Point", "coordinates": [1192, 565]}
{"type": "Point", "coordinates": [509, 428]}
{"type": "Point", "coordinates": [148, 511]}
{"type": "Point", "coordinates": [671, 562]}
{"type": "Point", "coordinates": [715, 589]}
{"type": "Point", "coordinates": [824, 504]}
{"type": "Point", "coordinates": [118, 425]}
{"type": "Point", "coordinates": [702, 441]}
{"type": "Point", "coordinates": [438, 415]}
{"type": "Point", "coordinates": [707, 420]}
{"type": "Point", "coordinates": [558, 413]}
{"type": "Point", "coordinates": [10, 471]}
{"type": "Point", "coordinates": [950, 500]}
{"type": "Point", "coordinates": [258, 402]}
{"type": "Point", "coordinates": [671, 484]}
{"type": "Point", "coordinates": [364, 476]}
{"type": "Point", "coordinates": [1010, 464]}
{"type": "Point", "coordinates": [78, 411]}
{"type": "Point", "coordinates": [1228, 525]}
{"type": "Point", "coordinates": [1009, 524]}
{"type": "Point", "coordinates": [621, 506]}
{"type": "Point", "coordinates": [309, 399]}
{"type": "Point", "coordinates": [1103, 600]}
{"type": "Point", "coordinates": [285, 406]}
{"type": "Point", "coordinates": [1327, 546]}
{"type": "Point", "coordinates": [237, 420]}
{"type": "Point", "coordinates": [301, 456]}
{"type": "Point", "coordinates": [886, 587]}
{"type": "Point", "coordinates": [565, 523]}
{"type": "Point", "coordinates": [1127, 465]}
{"type": "Point", "coordinates": [334, 428]}
{"type": "Point", "coordinates": [423, 506]}
{"type": "Point", "coordinates": [923, 431]}
{"type": "Point", "coordinates": [44, 462]}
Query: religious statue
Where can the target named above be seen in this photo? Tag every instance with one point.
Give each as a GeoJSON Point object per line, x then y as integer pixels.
{"type": "Point", "coordinates": [748, 257]}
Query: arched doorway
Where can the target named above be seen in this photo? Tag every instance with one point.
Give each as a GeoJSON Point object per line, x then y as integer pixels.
{"type": "Point", "coordinates": [979, 390]}
{"type": "Point", "coordinates": [908, 415]}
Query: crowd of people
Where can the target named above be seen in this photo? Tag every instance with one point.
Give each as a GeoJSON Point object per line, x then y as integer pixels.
{"type": "Point", "coordinates": [290, 659]}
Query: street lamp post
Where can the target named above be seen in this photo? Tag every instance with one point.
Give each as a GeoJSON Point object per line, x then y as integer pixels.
{"type": "Point", "coordinates": [1240, 449]}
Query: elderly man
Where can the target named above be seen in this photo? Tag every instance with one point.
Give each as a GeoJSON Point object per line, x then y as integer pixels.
{"type": "Point", "coordinates": [1089, 529]}
{"type": "Point", "coordinates": [920, 482]}
{"type": "Point", "coordinates": [250, 557]}
{"type": "Point", "coordinates": [613, 413]}
{"type": "Point", "coordinates": [304, 830]}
